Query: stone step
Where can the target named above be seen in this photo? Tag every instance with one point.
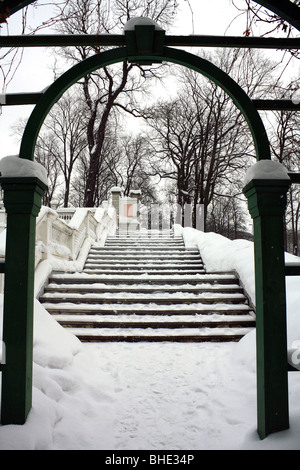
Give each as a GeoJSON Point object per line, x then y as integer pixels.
{"type": "Point", "coordinates": [133, 272]}
{"type": "Point", "coordinates": [164, 239]}
{"type": "Point", "coordinates": [145, 246]}
{"type": "Point", "coordinates": [143, 260]}
{"type": "Point", "coordinates": [145, 249]}
{"type": "Point", "coordinates": [149, 241]}
{"type": "Point", "coordinates": [149, 234]}
{"type": "Point", "coordinates": [186, 335]}
{"type": "Point", "coordinates": [205, 298]}
{"type": "Point", "coordinates": [149, 279]}
{"type": "Point", "coordinates": [100, 288]}
{"type": "Point", "coordinates": [139, 236]}
{"type": "Point", "coordinates": [188, 264]}
{"type": "Point", "coordinates": [154, 321]}
{"type": "Point", "coordinates": [174, 267]}
{"type": "Point", "coordinates": [143, 238]}
{"type": "Point", "coordinates": [144, 241]}
{"type": "Point", "coordinates": [141, 309]}
{"type": "Point", "coordinates": [143, 256]}
{"type": "Point", "coordinates": [146, 233]}
{"type": "Point", "coordinates": [179, 328]}
{"type": "Point", "coordinates": [137, 259]}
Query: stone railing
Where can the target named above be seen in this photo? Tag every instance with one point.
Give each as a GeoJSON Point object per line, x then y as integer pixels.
{"type": "Point", "coordinates": [64, 237]}
{"type": "Point", "coordinates": [61, 234]}
{"type": "Point", "coordinates": [66, 213]}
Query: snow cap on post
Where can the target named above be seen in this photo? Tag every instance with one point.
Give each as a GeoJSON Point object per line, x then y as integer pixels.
{"type": "Point", "coordinates": [15, 167]}
{"type": "Point", "coordinates": [116, 189]}
{"type": "Point", "coordinates": [144, 37]}
{"type": "Point", "coordinates": [266, 170]}
{"type": "Point", "coordinates": [141, 21]}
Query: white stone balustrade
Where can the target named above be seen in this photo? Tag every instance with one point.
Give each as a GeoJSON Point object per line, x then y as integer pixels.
{"type": "Point", "coordinates": [63, 237]}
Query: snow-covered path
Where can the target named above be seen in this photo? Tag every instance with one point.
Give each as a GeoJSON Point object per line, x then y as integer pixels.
{"type": "Point", "coordinates": [178, 396]}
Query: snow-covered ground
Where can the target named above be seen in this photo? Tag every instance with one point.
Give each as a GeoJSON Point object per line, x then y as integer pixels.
{"type": "Point", "coordinates": [154, 396]}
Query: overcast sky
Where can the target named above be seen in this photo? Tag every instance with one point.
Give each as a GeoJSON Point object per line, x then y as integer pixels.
{"type": "Point", "coordinates": [210, 17]}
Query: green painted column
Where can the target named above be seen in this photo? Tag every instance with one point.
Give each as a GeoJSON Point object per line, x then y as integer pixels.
{"type": "Point", "coordinates": [267, 202]}
{"type": "Point", "coordinates": [22, 200]}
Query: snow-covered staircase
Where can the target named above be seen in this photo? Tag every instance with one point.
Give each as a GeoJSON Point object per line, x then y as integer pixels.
{"type": "Point", "coordinates": [148, 287]}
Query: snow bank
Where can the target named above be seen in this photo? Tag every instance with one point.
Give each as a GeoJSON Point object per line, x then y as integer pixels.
{"type": "Point", "coordinates": [266, 169]}
{"type": "Point", "coordinates": [14, 166]}
{"type": "Point", "coordinates": [141, 21]}
{"type": "Point", "coordinates": [221, 254]}
{"type": "Point", "coordinates": [72, 398]}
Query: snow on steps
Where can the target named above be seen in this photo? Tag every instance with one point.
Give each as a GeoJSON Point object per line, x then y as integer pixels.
{"type": "Point", "coordinates": [148, 287]}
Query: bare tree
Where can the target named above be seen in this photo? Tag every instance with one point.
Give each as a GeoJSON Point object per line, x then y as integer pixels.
{"type": "Point", "coordinates": [261, 21]}
{"type": "Point", "coordinates": [197, 148]}
{"type": "Point", "coordinates": [227, 217]}
{"type": "Point", "coordinates": [63, 138]}
{"type": "Point", "coordinates": [259, 15]}
{"type": "Point", "coordinates": [46, 148]}
{"type": "Point", "coordinates": [133, 169]}
{"type": "Point", "coordinates": [44, 156]}
{"type": "Point", "coordinates": [202, 140]}
{"type": "Point", "coordinates": [111, 87]}
{"type": "Point", "coordinates": [11, 58]}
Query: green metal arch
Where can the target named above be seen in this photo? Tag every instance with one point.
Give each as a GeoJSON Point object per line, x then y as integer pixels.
{"type": "Point", "coordinates": [176, 56]}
